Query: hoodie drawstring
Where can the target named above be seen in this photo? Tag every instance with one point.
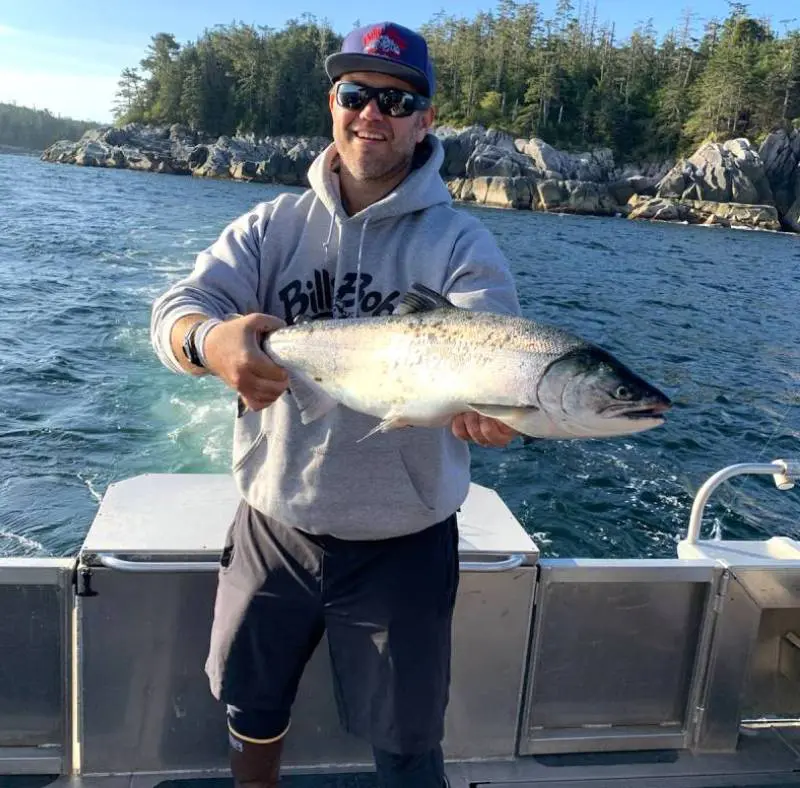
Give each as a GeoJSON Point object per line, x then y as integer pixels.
{"type": "Point", "coordinates": [358, 263]}
{"type": "Point", "coordinates": [330, 235]}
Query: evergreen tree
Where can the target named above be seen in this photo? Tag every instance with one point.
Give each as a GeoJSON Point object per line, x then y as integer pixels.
{"type": "Point", "coordinates": [21, 127]}
{"type": "Point", "coordinates": [567, 79]}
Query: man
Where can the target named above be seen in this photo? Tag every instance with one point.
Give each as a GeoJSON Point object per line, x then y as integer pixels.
{"type": "Point", "coordinates": [377, 516]}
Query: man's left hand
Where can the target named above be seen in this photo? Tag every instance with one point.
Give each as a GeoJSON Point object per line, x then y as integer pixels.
{"type": "Point", "coordinates": [482, 429]}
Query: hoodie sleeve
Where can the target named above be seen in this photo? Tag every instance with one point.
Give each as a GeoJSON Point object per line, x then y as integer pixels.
{"type": "Point", "coordinates": [479, 276]}
{"type": "Point", "coordinates": [225, 280]}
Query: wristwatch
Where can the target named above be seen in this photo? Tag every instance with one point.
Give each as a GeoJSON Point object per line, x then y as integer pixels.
{"type": "Point", "coordinates": [190, 348]}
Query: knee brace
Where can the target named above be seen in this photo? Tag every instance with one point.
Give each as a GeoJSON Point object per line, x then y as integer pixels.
{"type": "Point", "coordinates": [256, 726]}
{"type": "Point", "coordinates": [256, 744]}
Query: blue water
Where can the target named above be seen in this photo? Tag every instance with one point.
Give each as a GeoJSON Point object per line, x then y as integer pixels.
{"type": "Point", "coordinates": [710, 315]}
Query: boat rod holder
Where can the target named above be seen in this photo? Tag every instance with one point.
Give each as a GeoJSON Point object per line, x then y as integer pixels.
{"type": "Point", "coordinates": [783, 472]}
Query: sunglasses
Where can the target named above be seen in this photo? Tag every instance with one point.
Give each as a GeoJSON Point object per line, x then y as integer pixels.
{"type": "Point", "coordinates": [391, 101]}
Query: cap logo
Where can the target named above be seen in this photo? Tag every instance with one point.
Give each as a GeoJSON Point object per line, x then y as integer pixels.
{"type": "Point", "coordinates": [379, 41]}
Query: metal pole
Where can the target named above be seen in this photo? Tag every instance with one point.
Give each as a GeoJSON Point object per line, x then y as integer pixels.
{"type": "Point", "coordinates": [503, 564]}
{"type": "Point", "coordinates": [783, 471]}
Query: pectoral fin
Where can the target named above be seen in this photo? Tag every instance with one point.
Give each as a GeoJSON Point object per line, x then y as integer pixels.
{"type": "Point", "coordinates": [391, 422]}
{"type": "Point", "coordinates": [518, 417]}
{"type": "Point", "coordinates": [312, 401]}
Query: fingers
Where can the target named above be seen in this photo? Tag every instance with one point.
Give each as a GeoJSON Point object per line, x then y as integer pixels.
{"type": "Point", "coordinates": [482, 430]}
{"type": "Point", "coordinates": [235, 354]}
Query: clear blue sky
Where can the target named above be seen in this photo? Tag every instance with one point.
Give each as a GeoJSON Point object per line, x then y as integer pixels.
{"type": "Point", "coordinates": [67, 57]}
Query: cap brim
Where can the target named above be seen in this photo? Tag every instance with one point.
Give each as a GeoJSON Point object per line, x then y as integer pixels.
{"type": "Point", "coordinates": [345, 62]}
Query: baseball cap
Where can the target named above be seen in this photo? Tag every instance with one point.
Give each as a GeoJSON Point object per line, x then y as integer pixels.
{"type": "Point", "coordinates": [387, 48]}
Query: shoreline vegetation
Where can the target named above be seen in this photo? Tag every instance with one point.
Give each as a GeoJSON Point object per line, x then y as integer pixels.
{"type": "Point", "coordinates": [551, 113]}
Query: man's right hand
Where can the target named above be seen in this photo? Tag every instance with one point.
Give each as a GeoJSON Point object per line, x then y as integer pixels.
{"type": "Point", "coordinates": [233, 353]}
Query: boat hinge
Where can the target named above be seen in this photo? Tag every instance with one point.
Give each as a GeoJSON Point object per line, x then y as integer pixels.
{"type": "Point", "coordinates": [722, 590]}
{"type": "Point", "coordinates": [83, 581]}
{"type": "Point", "coordinates": [697, 718]}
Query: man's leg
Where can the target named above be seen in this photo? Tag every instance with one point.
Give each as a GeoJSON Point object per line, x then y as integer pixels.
{"type": "Point", "coordinates": [402, 771]}
{"type": "Point", "coordinates": [256, 743]}
{"type": "Point", "coordinates": [388, 612]}
{"type": "Point", "coordinates": [267, 622]}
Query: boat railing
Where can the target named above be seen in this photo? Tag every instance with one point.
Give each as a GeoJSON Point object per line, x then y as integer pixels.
{"type": "Point", "coordinates": [783, 472]}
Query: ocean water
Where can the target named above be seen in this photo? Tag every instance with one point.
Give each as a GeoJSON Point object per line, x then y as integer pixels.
{"type": "Point", "coordinates": [710, 315]}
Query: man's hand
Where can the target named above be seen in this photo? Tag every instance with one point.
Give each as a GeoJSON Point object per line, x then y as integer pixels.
{"type": "Point", "coordinates": [233, 352]}
{"type": "Point", "coordinates": [482, 429]}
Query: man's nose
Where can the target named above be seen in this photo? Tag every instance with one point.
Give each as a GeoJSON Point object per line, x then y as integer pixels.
{"type": "Point", "coordinates": [371, 111]}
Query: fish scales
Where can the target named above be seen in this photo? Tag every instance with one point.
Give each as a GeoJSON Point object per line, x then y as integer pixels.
{"type": "Point", "coordinates": [433, 360]}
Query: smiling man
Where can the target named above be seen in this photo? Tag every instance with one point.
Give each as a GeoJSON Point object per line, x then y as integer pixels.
{"type": "Point", "coordinates": [378, 516]}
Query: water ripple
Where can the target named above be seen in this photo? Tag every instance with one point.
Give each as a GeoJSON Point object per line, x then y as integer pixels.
{"type": "Point", "coordinates": [84, 402]}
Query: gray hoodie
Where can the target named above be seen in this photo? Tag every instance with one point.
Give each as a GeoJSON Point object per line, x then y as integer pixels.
{"type": "Point", "coordinates": [301, 254]}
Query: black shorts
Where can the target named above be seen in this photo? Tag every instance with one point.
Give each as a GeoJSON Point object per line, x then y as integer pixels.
{"type": "Point", "coordinates": [386, 606]}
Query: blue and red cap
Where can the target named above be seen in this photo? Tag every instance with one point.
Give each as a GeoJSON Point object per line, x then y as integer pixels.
{"type": "Point", "coordinates": [387, 48]}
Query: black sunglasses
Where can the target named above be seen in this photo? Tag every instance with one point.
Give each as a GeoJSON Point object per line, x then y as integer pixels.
{"type": "Point", "coordinates": [391, 101]}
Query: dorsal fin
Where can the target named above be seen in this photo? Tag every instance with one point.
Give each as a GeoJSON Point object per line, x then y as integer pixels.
{"type": "Point", "coordinates": [423, 300]}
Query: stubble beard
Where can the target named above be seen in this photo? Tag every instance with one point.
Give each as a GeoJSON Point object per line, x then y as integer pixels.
{"type": "Point", "coordinates": [376, 170]}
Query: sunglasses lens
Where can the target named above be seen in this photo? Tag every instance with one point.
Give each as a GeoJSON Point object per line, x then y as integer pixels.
{"type": "Point", "coordinates": [351, 96]}
{"type": "Point", "coordinates": [396, 103]}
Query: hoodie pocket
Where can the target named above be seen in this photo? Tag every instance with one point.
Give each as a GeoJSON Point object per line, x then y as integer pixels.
{"type": "Point", "coordinates": [365, 484]}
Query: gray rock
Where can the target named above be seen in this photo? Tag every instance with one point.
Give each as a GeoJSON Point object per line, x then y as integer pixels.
{"type": "Point", "coordinates": [780, 153]}
{"type": "Point", "coordinates": [596, 165]}
{"type": "Point", "coordinates": [178, 149]}
{"type": "Point", "coordinates": [792, 217]}
{"type": "Point", "coordinates": [623, 189]}
{"type": "Point", "coordinates": [487, 159]}
{"type": "Point", "coordinates": [728, 172]}
{"type": "Point", "coordinates": [494, 191]}
{"type": "Point", "coordinates": [581, 197]}
{"type": "Point", "coordinates": [762, 217]}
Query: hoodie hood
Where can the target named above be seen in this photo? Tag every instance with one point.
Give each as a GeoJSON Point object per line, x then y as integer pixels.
{"type": "Point", "coordinates": [422, 188]}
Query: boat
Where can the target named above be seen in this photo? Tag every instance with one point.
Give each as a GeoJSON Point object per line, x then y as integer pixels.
{"type": "Point", "coordinates": [680, 672]}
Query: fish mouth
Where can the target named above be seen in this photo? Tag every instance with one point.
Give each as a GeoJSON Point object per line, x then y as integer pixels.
{"type": "Point", "coordinates": [652, 411]}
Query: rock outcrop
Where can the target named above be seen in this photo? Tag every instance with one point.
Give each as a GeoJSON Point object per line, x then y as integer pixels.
{"type": "Point", "coordinates": [181, 151]}
{"type": "Point", "coordinates": [780, 154]}
{"type": "Point", "coordinates": [760, 217]}
{"type": "Point", "coordinates": [719, 172]}
{"type": "Point", "coordinates": [728, 183]}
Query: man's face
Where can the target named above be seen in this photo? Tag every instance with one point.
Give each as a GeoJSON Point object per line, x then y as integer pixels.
{"type": "Point", "coordinates": [373, 146]}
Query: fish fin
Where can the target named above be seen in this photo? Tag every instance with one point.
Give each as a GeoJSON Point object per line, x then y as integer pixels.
{"type": "Point", "coordinates": [424, 300]}
{"type": "Point", "coordinates": [501, 412]}
{"type": "Point", "coordinates": [510, 415]}
{"type": "Point", "coordinates": [389, 423]}
{"type": "Point", "coordinates": [312, 401]}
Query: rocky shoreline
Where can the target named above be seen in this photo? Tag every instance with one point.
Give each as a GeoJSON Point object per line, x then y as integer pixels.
{"type": "Point", "coordinates": [732, 184]}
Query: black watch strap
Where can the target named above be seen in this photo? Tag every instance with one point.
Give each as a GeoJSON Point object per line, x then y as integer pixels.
{"type": "Point", "coordinates": [189, 347]}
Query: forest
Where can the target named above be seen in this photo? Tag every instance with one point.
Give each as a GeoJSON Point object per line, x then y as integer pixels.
{"type": "Point", "coordinates": [569, 79]}
{"type": "Point", "coordinates": [32, 129]}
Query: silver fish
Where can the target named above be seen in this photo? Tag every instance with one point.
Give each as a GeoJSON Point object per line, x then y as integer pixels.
{"type": "Point", "coordinates": [432, 360]}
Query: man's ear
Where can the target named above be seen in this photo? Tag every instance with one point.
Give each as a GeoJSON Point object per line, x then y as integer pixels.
{"type": "Point", "coordinates": [331, 99]}
{"type": "Point", "coordinates": [426, 121]}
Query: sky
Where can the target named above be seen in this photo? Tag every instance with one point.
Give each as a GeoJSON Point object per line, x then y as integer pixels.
{"type": "Point", "coordinates": [67, 57]}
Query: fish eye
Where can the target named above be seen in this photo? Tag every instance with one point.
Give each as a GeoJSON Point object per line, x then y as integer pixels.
{"type": "Point", "coordinates": [623, 392]}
